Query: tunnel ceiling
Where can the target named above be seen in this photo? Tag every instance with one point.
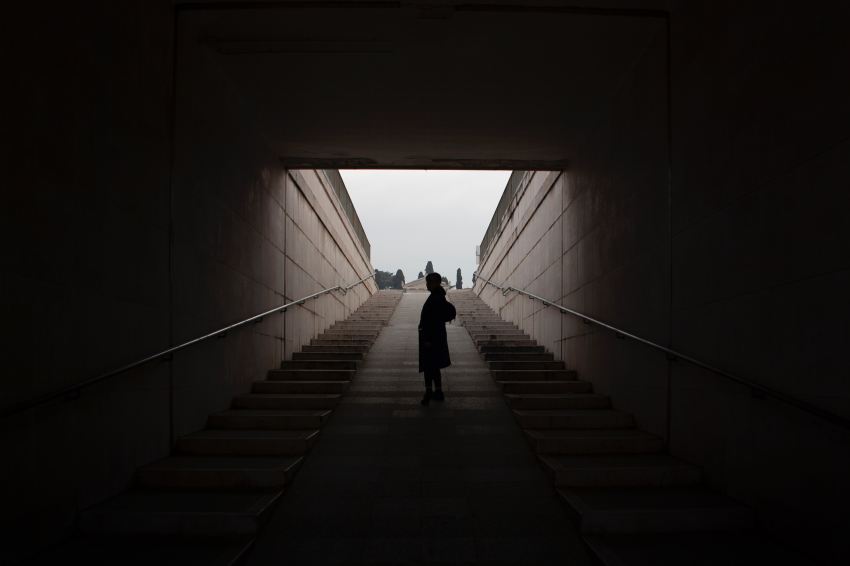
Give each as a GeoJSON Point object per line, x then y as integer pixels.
{"type": "Point", "coordinates": [405, 85]}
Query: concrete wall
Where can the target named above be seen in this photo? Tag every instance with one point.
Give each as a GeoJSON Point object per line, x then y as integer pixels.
{"type": "Point", "coordinates": [761, 255]}
{"type": "Point", "coordinates": [595, 238]}
{"type": "Point", "coordinates": [745, 266]}
{"type": "Point", "coordinates": [110, 257]}
{"type": "Point", "coordinates": [85, 284]}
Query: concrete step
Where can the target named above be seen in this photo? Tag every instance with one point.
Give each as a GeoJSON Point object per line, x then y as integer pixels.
{"type": "Point", "coordinates": [342, 349]}
{"type": "Point", "coordinates": [319, 364]}
{"type": "Point", "coordinates": [577, 418]}
{"type": "Point", "coordinates": [298, 402]}
{"type": "Point", "coordinates": [366, 331]}
{"type": "Point", "coordinates": [551, 386]}
{"type": "Point", "coordinates": [311, 374]}
{"type": "Point", "coordinates": [620, 470]}
{"type": "Point", "coordinates": [145, 549]}
{"type": "Point", "coordinates": [593, 441]}
{"type": "Point", "coordinates": [370, 332]}
{"type": "Point", "coordinates": [327, 356]}
{"type": "Point", "coordinates": [496, 324]}
{"type": "Point", "coordinates": [218, 472]}
{"type": "Point", "coordinates": [299, 386]}
{"type": "Point", "coordinates": [526, 342]}
{"type": "Point", "coordinates": [505, 348]}
{"type": "Point", "coordinates": [268, 419]}
{"type": "Point", "coordinates": [482, 336]}
{"type": "Point", "coordinates": [180, 513]}
{"type": "Point", "coordinates": [519, 356]}
{"type": "Point", "coordinates": [533, 375]}
{"type": "Point", "coordinates": [526, 365]}
{"type": "Point", "coordinates": [703, 549]}
{"type": "Point", "coordinates": [344, 334]}
{"type": "Point", "coordinates": [655, 510]}
{"type": "Point", "coordinates": [563, 401]}
{"type": "Point", "coordinates": [474, 330]}
{"type": "Point", "coordinates": [247, 442]}
{"type": "Point", "coordinates": [341, 342]}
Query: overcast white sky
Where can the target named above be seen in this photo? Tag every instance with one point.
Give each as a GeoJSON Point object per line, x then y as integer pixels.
{"type": "Point", "coordinates": [411, 217]}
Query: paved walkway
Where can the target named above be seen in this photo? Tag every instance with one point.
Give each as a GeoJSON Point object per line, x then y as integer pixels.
{"type": "Point", "coordinates": [392, 482]}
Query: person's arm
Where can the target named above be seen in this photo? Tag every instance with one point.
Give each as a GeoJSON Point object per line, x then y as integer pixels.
{"type": "Point", "coordinates": [426, 322]}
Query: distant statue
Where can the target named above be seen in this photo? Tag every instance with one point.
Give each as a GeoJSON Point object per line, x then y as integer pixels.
{"type": "Point", "coordinates": [398, 280]}
{"type": "Point", "coordinates": [433, 342]}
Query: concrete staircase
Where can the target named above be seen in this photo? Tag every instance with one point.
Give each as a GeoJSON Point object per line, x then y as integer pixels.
{"type": "Point", "coordinates": [224, 481]}
{"type": "Point", "coordinates": [615, 478]}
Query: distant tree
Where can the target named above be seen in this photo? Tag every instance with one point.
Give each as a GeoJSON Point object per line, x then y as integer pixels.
{"type": "Point", "coordinates": [398, 280]}
{"type": "Point", "coordinates": [459, 284]}
{"type": "Point", "coordinates": [445, 281]}
{"type": "Point", "coordinates": [384, 279]}
{"type": "Point", "coordinates": [429, 268]}
{"type": "Point", "coordinates": [420, 276]}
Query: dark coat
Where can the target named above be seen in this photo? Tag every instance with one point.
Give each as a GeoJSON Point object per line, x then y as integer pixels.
{"type": "Point", "coordinates": [432, 329]}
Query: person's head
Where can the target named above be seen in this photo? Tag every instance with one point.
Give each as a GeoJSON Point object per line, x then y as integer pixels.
{"type": "Point", "coordinates": [432, 281]}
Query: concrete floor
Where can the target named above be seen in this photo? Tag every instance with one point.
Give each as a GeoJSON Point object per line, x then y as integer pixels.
{"type": "Point", "coordinates": [392, 482]}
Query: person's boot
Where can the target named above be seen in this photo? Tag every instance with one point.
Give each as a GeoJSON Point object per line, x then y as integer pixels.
{"type": "Point", "coordinates": [438, 395]}
{"type": "Point", "coordinates": [427, 398]}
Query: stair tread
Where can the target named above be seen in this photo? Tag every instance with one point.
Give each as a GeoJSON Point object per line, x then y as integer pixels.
{"type": "Point", "coordinates": [537, 382]}
{"type": "Point", "coordinates": [607, 461]}
{"type": "Point", "coordinates": [225, 463]}
{"type": "Point", "coordinates": [649, 498]}
{"type": "Point", "coordinates": [565, 412]}
{"type": "Point", "coordinates": [144, 550]}
{"type": "Point", "coordinates": [530, 370]}
{"type": "Point", "coordinates": [305, 381]}
{"type": "Point", "coordinates": [227, 434]}
{"type": "Point", "coordinates": [292, 395]}
{"type": "Point", "coordinates": [552, 395]}
{"type": "Point", "coordinates": [313, 370]}
{"type": "Point", "coordinates": [588, 433]}
{"type": "Point", "coordinates": [190, 502]}
{"type": "Point", "coordinates": [674, 549]}
{"type": "Point", "coordinates": [274, 413]}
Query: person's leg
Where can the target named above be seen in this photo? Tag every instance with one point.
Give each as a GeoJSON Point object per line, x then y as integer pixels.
{"type": "Point", "coordinates": [429, 379]}
{"type": "Point", "coordinates": [438, 386]}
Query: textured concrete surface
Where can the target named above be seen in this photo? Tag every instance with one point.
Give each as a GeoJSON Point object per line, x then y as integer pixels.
{"type": "Point", "coordinates": [122, 253]}
{"type": "Point", "coordinates": [392, 482]}
{"type": "Point", "coordinates": [739, 259]}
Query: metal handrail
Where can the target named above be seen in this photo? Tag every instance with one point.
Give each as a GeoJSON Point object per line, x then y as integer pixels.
{"type": "Point", "coordinates": [74, 390]}
{"type": "Point", "coordinates": [674, 355]}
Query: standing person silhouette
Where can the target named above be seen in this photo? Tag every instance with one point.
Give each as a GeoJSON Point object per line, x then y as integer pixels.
{"type": "Point", "coordinates": [433, 343]}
